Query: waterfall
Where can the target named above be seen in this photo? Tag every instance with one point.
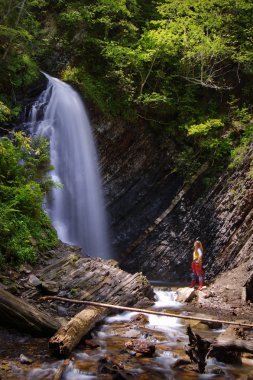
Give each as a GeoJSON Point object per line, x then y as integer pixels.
{"type": "Point", "coordinates": [77, 207]}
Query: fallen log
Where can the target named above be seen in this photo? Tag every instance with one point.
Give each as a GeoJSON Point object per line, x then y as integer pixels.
{"type": "Point", "coordinates": [92, 279]}
{"type": "Point", "coordinates": [17, 313]}
{"type": "Point", "coordinates": [70, 335]}
{"type": "Point", "coordinates": [62, 343]}
{"type": "Point", "coordinates": [146, 311]}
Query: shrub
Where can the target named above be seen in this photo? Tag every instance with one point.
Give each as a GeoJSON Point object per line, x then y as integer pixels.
{"type": "Point", "coordinates": [24, 227]}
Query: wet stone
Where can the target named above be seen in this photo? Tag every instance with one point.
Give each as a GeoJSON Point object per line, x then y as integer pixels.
{"type": "Point", "coordinates": [108, 365]}
{"type": "Point", "coordinates": [49, 287]}
{"type": "Point", "coordinates": [185, 294]}
{"type": "Point", "coordinates": [213, 325]}
{"type": "Point", "coordinates": [142, 347]}
{"type": "Point", "coordinates": [34, 281]}
{"type": "Point", "coordinates": [214, 370]}
{"type": "Point", "coordinates": [25, 360]}
{"type": "Point", "coordinates": [62, 311]}
{"type": "Point", "coordinates": [25, 269]}
{"type": "Point", "coordinates": [180, 363]}
{"type": "Point", "coordinates": [140, 318]}
{"type": "Point", "coordinates": [132, 333]}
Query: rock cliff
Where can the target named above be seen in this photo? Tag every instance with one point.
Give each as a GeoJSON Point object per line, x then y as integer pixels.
{"type": "Point", "coordinates": [140, 187]}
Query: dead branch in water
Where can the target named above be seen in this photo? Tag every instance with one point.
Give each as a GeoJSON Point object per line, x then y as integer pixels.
{"type": "Point", "coordinates": [146, 311]}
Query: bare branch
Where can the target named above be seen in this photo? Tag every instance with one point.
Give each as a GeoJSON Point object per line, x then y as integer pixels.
{"type": "Point", "coordinates": [207, 84]}
{"type": "Point", "coordinates": [149, 119]}
{"type": "Point", "coordinates": [237, 72]}
{"type": "Point", "coordinates": [148, 73]}
{"type": "Point", "coordinates": [220, 69]}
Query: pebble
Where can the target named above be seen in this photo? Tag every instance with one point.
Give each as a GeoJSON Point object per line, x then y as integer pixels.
{"type": "Point", "coordinates": [33, 280]}
{"type": "Point", "coordinates": [24, 359]}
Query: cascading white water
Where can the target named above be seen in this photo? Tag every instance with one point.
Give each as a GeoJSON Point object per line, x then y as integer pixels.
{"type": "Point", "coordinates": [77, 209]}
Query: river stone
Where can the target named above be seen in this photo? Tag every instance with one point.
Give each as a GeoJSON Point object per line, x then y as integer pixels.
{"type": "Point", "coordinates": [213, 324]}
{"type": "Point", "coordinates": [142, 319]}
{"type": "Point", "coordinates": [132, 333]}
{"type": "Point", "coordinates": [214, 370]}
{"type": "Point", "coordinates": [26, 269]}
{"type": "Point", "coordinates": [198, 325]}
{"type": "Point", "coordinates": [140, 346]}
{"type": "Point", "coordinates": [62, 311]}
{"type": "Point", "coordinates": [201, 296]}
{"type": "Point", "coordinates": [34, 281]}
{"type": "Point", "coordinates": [185, 294]}
{"type": "Point", "coordinates": [49, 287]}
{"type": "Point", "coordinates": [24, 359]}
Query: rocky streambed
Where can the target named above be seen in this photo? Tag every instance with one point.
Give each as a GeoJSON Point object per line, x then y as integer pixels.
{"type": "Point", "coordinates": [122, 346]}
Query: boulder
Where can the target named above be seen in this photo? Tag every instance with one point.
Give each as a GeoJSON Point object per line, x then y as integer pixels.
{"type": "Point", "coordinates": [34, 281]}
{"type": "Point", "coordinates": [185, 294]}
{"type": "Point", "coordinates": [139, 346]}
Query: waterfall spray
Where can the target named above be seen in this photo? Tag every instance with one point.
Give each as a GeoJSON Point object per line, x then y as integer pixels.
{"type": "Point", "coordinates": [76, 208]}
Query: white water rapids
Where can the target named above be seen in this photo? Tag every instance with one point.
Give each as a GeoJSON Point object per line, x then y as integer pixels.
{"type": "Point", "coordinates": [166, 333]}
{"type": "Point", "coordinates": [77, 207]}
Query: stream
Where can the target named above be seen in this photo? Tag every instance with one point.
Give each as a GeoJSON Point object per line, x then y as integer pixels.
{"type": "Point", "coordinates": [168, 334]}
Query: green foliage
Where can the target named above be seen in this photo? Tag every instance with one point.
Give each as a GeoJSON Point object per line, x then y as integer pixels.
{"type": "Point", "coordinates": [24, 227]}
{"type": "Point", "coordinates": [238, 153]}
{"type": "Point", "coordinates": [178, 65]}
{"type": "Point", "coordinates": [18, 43]}
{"type": "Point", "coordinates": [187, 163]}
{"type": "Point", "coordinates": [238, 117]}
{"type": "Point", "coordinates": [4, 112]}
{"type": "Point", "coordinates": [23, 70]}
{"type": "Point", "coordinates": [204, 129]}
{"type": "Point", "coordinates": [210, 139]}
{"type": "Point", "coordinates": [100, 93]}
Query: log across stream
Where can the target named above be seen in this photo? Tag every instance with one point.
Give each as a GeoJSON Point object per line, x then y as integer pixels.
{"type": "Point", "coordinates": [135, 345]}
{"type": "Point", "coordinates": [111, 339]}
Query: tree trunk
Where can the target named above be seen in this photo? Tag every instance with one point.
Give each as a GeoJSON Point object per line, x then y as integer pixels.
{"type": "Point", "coordinates": [62, 343]}
{"type": "Point", "coordinates": [197, 349]}
{"type": "Point", "coordinates": [17, 313]}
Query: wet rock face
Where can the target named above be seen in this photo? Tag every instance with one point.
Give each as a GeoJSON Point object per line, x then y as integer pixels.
{"type": "Point", "coordinates": [67, 273]}
{"type": "Point", "coordinates": [140, 187]}
{"type": "Point", "coordinates": [221, 218]}
{"type": "Point", "coordinates": [137, 178]}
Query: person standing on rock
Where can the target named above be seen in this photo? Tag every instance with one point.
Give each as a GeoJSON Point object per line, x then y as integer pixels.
{"type": "Point", "coordinates": [197, 270]}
